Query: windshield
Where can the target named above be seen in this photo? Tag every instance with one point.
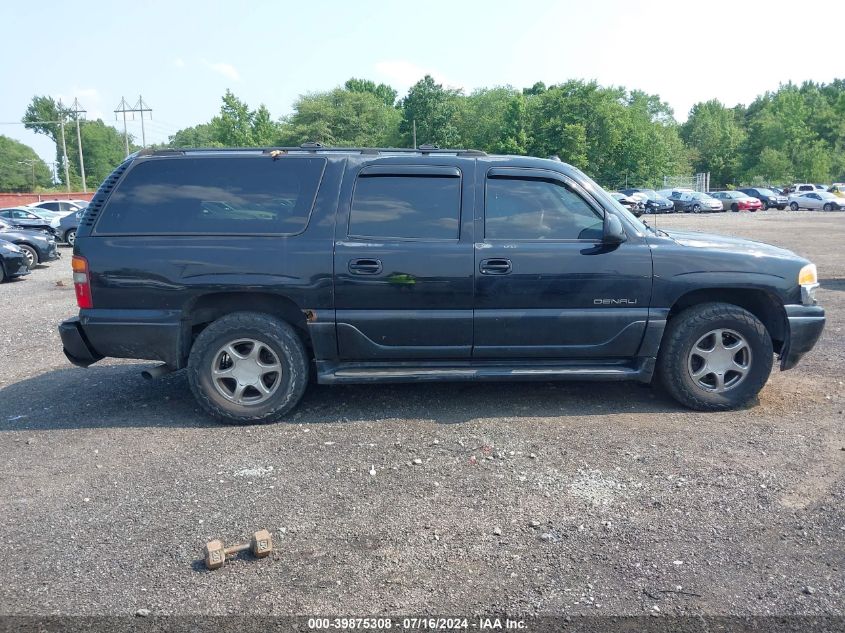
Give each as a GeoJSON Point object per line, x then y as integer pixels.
{"type": "Point", "coordinates": [607, 199]}
{"type": "Point", "coordinates": [651, 193]}
{"type": "Point", "coordinates": [765, 192]}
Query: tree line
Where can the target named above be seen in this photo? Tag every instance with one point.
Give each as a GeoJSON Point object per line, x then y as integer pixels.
{"type": "Point", "coordinates": [617, 136]}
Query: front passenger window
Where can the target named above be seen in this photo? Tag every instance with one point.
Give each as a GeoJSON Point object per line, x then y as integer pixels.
{"type": "Point", "coordinates": [538, 209]}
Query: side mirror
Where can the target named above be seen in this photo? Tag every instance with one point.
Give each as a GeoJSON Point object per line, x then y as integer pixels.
{"type": "Point", "coordinates": [613, 231]}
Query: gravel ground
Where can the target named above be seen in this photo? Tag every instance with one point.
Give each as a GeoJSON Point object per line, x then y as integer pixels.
{"type": "Point", "coordinates": [532, 498]}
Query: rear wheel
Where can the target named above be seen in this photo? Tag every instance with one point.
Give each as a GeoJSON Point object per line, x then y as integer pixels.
{"type": "Point", "coordinates": [827, 207]}
{"type": "Point", "coordinates": [793, 206]}
{"type": "Point", "coordinates": [31, 255]}
{"type": "Point", "coordinates": [714, 357]}
{"type": "Point", "coordinates": [734, 207]}
{"type": "Point", "coordinates": [248, 368]}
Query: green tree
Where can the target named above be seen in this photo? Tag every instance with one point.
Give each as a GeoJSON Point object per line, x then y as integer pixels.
{"type": "Point", "coordinates": [20, 167]}
{"type": "Point", "coordinates": [202, 135]}
{"type": "Point", "coordinates": [486, 120]}
{"type": "Point", "coordinates": [382, 91]}
{"type": "Point", "coordinates": [715, 136]}
{"type": "Point", "coordinates": [103, 147]}
{"type": "Point", "coordinates": [342, 117]}
{"type": "Point", "coordinates": [436, 111]}
{"type": "Point", "coordinates": [235, 126]}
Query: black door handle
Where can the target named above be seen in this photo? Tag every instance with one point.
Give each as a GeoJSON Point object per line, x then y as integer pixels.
{"type": "Point", "coordinates": [365, 266]}
{"type": "Point", "coordinates": [495, 266]}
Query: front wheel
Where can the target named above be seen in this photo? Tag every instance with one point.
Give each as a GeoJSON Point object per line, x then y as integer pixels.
{"type": "Point", "coordinates": [696, 208]}
{"type": "Point", "coordinates": [248, 368]}
{"type": "Point", "coordinates": [764, 206]}
{"type": "Point", "coordinates": [70, 237]}
{"type": "Point", "coordinates": [793, 206]}
{"type": "Point", "coordinates": [715, 357]}
{"type": "Point", "coordinates": [31, 255]}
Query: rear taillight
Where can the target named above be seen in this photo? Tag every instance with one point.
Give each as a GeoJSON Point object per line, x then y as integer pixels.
{"type": "Point", "coordinates": [81, 282]}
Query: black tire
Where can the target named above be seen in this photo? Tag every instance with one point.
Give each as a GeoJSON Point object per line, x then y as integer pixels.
{"type": "Point", "coordinates": [827, 207]}
{"type": "Point", "coordinates": [687, 329]}
{"type": "Point", "coordinates": [31, 255]}
{"type": "Point", "coordinates": [696, 208]}
{"type": "Point", "coordinates": [764, 206]}
{"type": "Point", "coordinates": [281, 339]}
{"type": "Point", "coordinates": [781, 208]}
{"type": "Point", "coordinates": [2, 273]}
{"type": "Point", "coordinates": [794, 206]}
{"type": "Point", "coordinates": [735, 207]}
{"type": "Point", "coordinates": [70, 237]}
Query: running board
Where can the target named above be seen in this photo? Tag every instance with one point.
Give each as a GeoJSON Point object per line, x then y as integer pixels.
{"type": "Point", "coordinates": [640, 369]}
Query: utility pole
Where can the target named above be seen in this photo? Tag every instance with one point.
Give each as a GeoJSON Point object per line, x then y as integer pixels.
{"type": "Point", "coordinates": [142, 107]}
{"type": "Point", "coordinates": [415, 134]}
{"type": "Point", "coordinates": [77, 109]}
{"type": "Point", "coordinates": [124, 108]}
{"type": "Point", "coordinates": [64, 145]}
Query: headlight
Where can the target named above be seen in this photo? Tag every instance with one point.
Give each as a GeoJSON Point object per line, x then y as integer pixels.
{"type": "Point", "coordinates": [808, 275]}
{"type": "Point", "coordinates": [808, 279]}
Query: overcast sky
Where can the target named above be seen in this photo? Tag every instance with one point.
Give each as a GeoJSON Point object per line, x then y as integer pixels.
{"type": "Point", "coordinates": [183, 55]}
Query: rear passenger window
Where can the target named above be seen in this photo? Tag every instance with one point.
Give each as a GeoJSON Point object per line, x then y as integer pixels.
{"type": "Point", "coordinates": [214, 195]}
{"type": "Point", "coordinates": [406, 207]}
{"type": "Point", "coordinates": [536, 209]}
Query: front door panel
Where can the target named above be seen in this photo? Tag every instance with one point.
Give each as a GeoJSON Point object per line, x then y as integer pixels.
{"type": "Point", "coordinates": [563, 294]}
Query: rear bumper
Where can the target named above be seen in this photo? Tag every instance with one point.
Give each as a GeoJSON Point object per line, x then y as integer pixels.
{"type": "Point", "coordinates": [806, 324]}
{"type": "Point", "coordinates": [142, 334]}
{"type": "Point", "coordinates": [74, 344]}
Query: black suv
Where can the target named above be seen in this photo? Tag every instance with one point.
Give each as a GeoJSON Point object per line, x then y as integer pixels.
{"type": "Point", "coordinates": [254, 268]}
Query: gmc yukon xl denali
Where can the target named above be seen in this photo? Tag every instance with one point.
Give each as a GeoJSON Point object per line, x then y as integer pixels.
{"type": "Point", "coordinates": [255, 270]}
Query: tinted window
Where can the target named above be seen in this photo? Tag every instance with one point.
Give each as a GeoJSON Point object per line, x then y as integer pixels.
{"type": "Point", "coordinates": [533, 209]}
{"type": "Point", "coordinates": [254, 194]}
{"type": "Point", "coordinates": [413, 207]}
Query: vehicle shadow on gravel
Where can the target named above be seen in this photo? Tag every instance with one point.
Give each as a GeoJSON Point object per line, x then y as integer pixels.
{"type": "Point", "coordinates": [109, 396]}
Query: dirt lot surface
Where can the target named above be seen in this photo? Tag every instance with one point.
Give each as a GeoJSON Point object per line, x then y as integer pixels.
{"type": "Point", "coordinates": [526, 498]}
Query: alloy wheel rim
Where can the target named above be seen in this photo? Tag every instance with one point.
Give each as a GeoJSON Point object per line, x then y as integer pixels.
{"type": "Point", "coordinates": [71, 237]}
{"type": "Point", "coordinates": [719, 361]}
{"type": "Point", "coordinates": [246, 372]}
{"type": "Point", "coordinates": [30, 258]}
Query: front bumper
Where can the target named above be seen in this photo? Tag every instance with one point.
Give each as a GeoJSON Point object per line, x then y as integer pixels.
{"type": "Point", "coordinates": [15, 264]}
{"type": "Point", "coordinates": [806, 324]}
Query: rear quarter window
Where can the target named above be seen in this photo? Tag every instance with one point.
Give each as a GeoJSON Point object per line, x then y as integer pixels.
{"type": "Point", "coordinates": [213, 195]}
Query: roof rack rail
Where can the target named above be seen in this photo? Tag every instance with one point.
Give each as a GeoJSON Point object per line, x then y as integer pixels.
{"type": "Point", "coordinates": [316, 148]}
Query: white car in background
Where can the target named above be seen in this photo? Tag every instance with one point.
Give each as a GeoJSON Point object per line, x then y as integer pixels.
{"type": "Point", "coordinates": [816, 200]}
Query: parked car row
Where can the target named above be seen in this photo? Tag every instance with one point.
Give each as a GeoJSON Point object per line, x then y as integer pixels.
{"type": "Point", "coordinates": [61, 224]}
{"type": "Point", "coordinates": [800, 196]}
{"type": "Point", "coordinates": [24, 246]}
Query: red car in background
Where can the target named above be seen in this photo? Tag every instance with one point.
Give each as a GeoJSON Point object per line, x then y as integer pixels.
{"type": "Point", "coordinates": [736, 201]}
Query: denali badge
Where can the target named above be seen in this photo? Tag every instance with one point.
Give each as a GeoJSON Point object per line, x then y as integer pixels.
{"type": "Point", "coordinates": [614, 302]}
